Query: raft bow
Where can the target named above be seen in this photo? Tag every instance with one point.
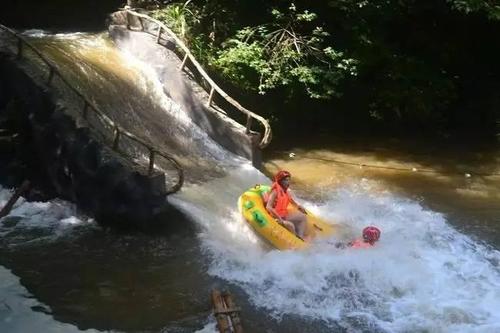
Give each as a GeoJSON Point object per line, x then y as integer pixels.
{"type": "Point", "coordinates": [253, 208]}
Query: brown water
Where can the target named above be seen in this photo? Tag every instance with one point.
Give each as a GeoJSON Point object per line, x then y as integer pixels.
{"type": "Point", "coordinates": [462, 180]}
{"type": "Point", "coordinates": [97, 279]}
{"type": "Point", "coordinates": [65, 270]}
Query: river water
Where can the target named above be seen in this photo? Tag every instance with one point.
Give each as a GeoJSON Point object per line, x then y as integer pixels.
{"type": "Point", "coordinates": [436, 268]}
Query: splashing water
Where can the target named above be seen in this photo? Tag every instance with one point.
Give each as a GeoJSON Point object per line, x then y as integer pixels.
{"type": "Point", "coordinates": [422, 276]}
{"type": "Point", "coordinates": [30, 222]}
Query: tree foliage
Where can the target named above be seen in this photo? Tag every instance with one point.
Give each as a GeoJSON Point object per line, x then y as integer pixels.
{"type": "Point", "coordinates": [179, 17]}
{"type": "Point", "coordinates": [491, 8]}
{"type": "Point", "coordinates": [289, 50]}
{"type": "Point", "coordinates": [426, 64]}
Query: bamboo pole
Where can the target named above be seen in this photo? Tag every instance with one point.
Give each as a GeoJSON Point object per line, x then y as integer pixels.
{"type": "Point", "coordinates": [220, 312]}
{"type": "Point", "coordinates": [158, 37]}
{"type": "Point", "coordinates": [184, 61]}
{"type": "Point", "coordinates": [235, 318]}
{"type": "Point", "coordinates": [209, 103]}
{"type": "Point", "coordinates": [151, 162]}
{"type": "Point", "coordinates": [116, 138]}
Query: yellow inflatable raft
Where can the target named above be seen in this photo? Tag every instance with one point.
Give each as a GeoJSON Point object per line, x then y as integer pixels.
{"type": "Point", "coordinates": [251, 205]}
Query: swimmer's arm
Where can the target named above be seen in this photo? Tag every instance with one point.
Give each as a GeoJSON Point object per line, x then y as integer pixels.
{"type": "Point", "coordinates": [295, 203]}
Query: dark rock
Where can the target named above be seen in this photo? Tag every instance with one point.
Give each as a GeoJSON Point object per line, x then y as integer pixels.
{"type": "Point", "coordinates": [70, 162]}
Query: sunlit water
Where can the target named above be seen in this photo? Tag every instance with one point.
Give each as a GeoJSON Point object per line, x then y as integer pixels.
{"type": "Point", "coordinates": [423, 276]}
{"type": "Point", "coordinates": [427, 274]}
{"type": "Point", "coordinates": [129, 92]}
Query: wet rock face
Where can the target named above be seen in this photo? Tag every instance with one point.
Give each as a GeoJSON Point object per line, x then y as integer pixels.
{"type": "Point", "coordinates": [40, 142]}
{"type": "Point", "coordinates": [182, 86]}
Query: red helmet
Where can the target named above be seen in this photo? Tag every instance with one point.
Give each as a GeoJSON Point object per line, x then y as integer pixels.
{"type": "Point", "coordinates": [281, 174]}
{"type": "Point", "coordinates": [371, 234]}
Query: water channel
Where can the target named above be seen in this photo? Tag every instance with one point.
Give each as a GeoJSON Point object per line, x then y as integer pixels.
{"type": "Point", "coordinates": [436, 269]}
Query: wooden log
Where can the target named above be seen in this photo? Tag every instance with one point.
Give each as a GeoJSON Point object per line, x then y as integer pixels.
{"type": "Point", "coordinates": [8, 207]}
{"type": "Point", "coordinates": [234, 315]}
{"type": "Point", "coordinates": [220, 312]}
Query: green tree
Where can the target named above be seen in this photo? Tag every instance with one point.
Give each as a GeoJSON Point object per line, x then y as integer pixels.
{"type": "Point", "coordinates": [491, 7]}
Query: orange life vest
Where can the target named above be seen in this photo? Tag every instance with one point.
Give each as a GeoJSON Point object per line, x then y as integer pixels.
{"type": "Point", "coordinates": [282, 200]}
{"type": "Point", "coordinates": [360, 244]}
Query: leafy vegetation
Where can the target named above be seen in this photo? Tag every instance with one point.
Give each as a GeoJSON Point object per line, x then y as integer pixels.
{"type": "Point", "coordinates": [491, 8]}
{"type": "Point", "coordinates": [179, 17]}
{"type": "Point", "coordinates": [393, 64]}
{"type": "Point", "coordinates": [283, 52]}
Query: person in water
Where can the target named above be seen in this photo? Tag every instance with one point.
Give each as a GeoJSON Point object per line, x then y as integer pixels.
{"type": "Point", "coordinates": [370, 236]}
{"type": "Point", "coordinates": [277, 205]}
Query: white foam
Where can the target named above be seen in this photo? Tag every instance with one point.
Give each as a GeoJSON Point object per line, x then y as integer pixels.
{"type": "Point", "coordinates": [210, 327]}
{"type": "Point", "coordinates": [422, 276]}
{"type": "Point", "coordinates": [56, 218]}
{"type": "Point", "coordinates": [36, 33]}
{"type": "Point", "coordinates": [39, 33]}
{"type": "Point", "coordinates": [190, 135]}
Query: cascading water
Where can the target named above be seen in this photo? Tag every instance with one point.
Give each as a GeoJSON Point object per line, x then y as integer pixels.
{"type": "Point", "coordinates": [423, 276]}
{"type": "Point", "coordinates": [127, 91]}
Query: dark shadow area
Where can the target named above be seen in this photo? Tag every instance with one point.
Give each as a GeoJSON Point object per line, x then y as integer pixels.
{"type": "Point", "coordinates": [69, 162]}
{"type": "Point", "coordinates": [115, 280]}
{"type": "Point", "coordinates": [74, 15]}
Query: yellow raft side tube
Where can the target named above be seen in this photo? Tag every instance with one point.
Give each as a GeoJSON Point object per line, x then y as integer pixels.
{"type": "Point", "coordinates": [252, 207]}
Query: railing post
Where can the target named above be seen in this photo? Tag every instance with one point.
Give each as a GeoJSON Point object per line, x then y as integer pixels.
{"type": "Point", "coordinates": [151, 161]}
{"type": "Point", "coordinates": [19, 47]}
{"type": "Point", "coordinates": [51, 75]}
{"type": "Point", "coordinates": [209, 103]}
{"type": "Point", "coordinates": [142, 24]}
{"type": "Point", "coordinates": [116, 138]}
{"type": "Point", "coordinates": [85, 109]}
{"type": "Point", "coordinates": [249, 123]}
{"type": "Point", "coordinates": [128, 21]}
{"type": "Point", "coordinates": [184, 61]}
{"type": "Point", "coordinates": [159, 34]}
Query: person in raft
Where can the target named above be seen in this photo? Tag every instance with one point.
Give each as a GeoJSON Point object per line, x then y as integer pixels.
{"type": "Point", "coordinates": [277, 204]}
{"type": "Point", "coordinates": [370, 234]}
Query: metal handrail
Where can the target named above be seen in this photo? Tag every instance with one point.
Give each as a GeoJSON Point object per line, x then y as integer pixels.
{"type": "Point", "coordinates": [266, 138]}
{"type": "Point", "coordinates": [118, 130]}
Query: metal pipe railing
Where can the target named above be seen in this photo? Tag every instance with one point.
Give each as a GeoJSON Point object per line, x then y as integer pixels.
{"type": "Point", "coordinates": [267, 136]}
{"type": "Point", "coordinates": [118, 131]}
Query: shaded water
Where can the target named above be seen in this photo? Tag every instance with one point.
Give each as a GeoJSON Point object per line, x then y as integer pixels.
{"type": "Point", "coordinates": [437, 267]}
